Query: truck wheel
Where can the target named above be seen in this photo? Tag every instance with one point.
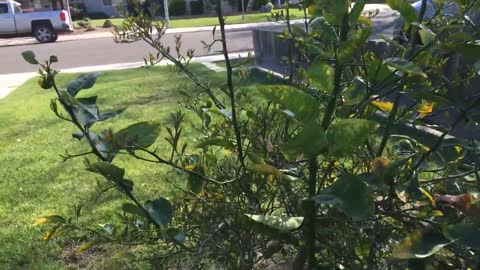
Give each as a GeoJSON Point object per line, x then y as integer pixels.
{"type": "Point", "coordinates": [43, 33]}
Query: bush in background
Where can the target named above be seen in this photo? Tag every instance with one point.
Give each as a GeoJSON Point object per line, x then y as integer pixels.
{"type": "Point", "coordinates": [78, 11]}
{"type": "Point", "coordinates": [259, 4]}
{"type": "Point", "coordinates": [85, 23]}
{"type": "Point", "coordinates": [177, 7]}
{"type": "Point", "coordinates": [98, 15]}
{"type": "Point", "coordinates": [196, 7]}
{"type": "Point", "coordinates": [107, 24]}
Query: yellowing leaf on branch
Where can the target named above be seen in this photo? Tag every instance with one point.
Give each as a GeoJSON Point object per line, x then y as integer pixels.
{"type": "Point", "coordinates": [49, 219]}
{"type": "Point", "coordinates": [383, 105]}
{"type": "Point", "coordinates": [424, 109]}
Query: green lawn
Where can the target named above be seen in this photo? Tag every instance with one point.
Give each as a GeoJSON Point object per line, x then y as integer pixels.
{"type": "Point", "coordinates": [210, 21]}
{"type": "Point", "coordinates": [36, 182]}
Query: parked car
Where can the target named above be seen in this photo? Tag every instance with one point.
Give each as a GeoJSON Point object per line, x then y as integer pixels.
{"type": "Point", "coordinates": [43, 25]}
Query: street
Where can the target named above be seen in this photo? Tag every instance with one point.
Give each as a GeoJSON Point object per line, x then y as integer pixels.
{"type": "Point", "coordinates": [104, 51]}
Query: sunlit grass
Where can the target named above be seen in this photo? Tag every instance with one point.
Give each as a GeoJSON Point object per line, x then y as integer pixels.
{"type": "Point", "coordinates": [35, 181]}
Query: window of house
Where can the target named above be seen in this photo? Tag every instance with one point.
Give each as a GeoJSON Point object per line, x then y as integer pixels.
{"type": "Point", "coordinates": [108, 3]}
{"type": "Point", "coordinates": [3, 8]}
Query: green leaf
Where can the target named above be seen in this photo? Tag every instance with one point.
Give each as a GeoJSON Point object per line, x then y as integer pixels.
{"type": "Point", "coordinates": [321, 75]}
{"type": "Point", "coordinates": [380, 71]}
{"type": "Point", "coordinates": [355, 92]}
{"type": "Point", "coordinates": [82, 82]}
{"type": "Point", "coordinates": [340, 8]}
{"type": "Point", "coordinates": [134, 210]}
{"type": "Point", "coordinates": [196, 183]}
{"type": "Point", "coordinates": [160, 211]}
{"type": "Point", "coordinates": [404, 66]}
{"type": "Point", "coordinates": [406, 10]}
{"type": "Point", "coordinates": [113, 174]}
{"type": "Point", "coordinates": [420, 244]}
{"type": "Point", "coordinates": [469, 50]}
{"type": "Point", "coordinates": [141, 135]}
{"type": "Point", "coordinates": [427, 36]}
{"type": "Point", "coordinates": [464, 234]}
{"type": "Point", "coordinates": [321, 27]}
{"type": "Point", "coordinates": [302, 104]}
{"type": "Point", "coordinates": [29, 56]}
{"type": "Point", "coordinates": [107, 170]}
{"type": "Point", "coordinates": [85, 114]}
{"type": "Point", "coordinates": [351, 47]}
{"type": "Point", "coordinates": [356, 11]}
{"type": "Point", "coordinates": [280, 223]}
{"type": "Point", "coordinates": [346, 135]}
{"type": "Point", "coordinates": [104, 144]}
{"type": "Point", "coordinates": [310, 141]}
{"type": "Point", "coordinates": [350, 195]}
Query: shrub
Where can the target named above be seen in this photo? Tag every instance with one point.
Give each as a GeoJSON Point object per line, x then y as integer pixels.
{"type": "Point", "coordinates": [85, 23]}
{"type": "Point", "coordinates": [196, 7]}
{"type": "Point", "coordinates": [107, 24]}
{"type": "Point", "coordinates": [177, 7]}
{"type": "Point", "coordinates": [98, 15]}
{"type": "Point", "coordinates": [329, 169]}
{"type": "Point", "coordinates": [78, 11]}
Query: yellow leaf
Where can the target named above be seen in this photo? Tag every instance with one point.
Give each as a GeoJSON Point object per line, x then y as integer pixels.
{"type": "Point", "coordinates": [424, 109]}
{"type": "Point", "coordinates": [48, 235]}
{"type": "Point", "coordinates": [383, 105]}
{"type": "Point", "coordinates": [428, 196]}
{"type": "Point", "coordinates": [86, 246]}
{"type": "Point", "coordinates": [40, 221]}
{"type": "Point", "coordinates": [49, 219]}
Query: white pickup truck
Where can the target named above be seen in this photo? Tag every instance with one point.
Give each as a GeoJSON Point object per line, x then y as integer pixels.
{"type": "Point", "coordinates": [43, 25]}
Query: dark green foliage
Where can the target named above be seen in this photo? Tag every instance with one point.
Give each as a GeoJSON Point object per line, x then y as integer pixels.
{"type": "Point", "coordinates": [196, 7]}
{"type": "Point", "coordinates": [177, 7]}
{"type": "Point", "coordinates": [78, 11]}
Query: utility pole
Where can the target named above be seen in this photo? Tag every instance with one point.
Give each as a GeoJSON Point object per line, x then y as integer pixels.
{"type": "Point", "coordinates": [165, 9]}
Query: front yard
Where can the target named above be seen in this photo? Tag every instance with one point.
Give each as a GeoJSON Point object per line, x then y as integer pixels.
{"type": "Point", "coordinates": [210, 21]}
{"type": "Point", "coordinates": [37, 182]}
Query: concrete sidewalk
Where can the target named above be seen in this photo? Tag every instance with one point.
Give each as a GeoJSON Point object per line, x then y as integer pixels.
{"type": "Point", "coordinates": [9, 82]}
{"type": "Point", "coordinates": [383, 8]}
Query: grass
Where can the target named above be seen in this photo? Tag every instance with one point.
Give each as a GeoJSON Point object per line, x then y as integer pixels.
{"type": "Point", "coordinates": [209, 21]}
{"type": "Point", "coordinates": [36, 182]}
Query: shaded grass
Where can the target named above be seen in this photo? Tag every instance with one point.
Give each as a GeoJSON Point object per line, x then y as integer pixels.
{"type": "Point", "coordinates": [36, 182]}
{"type": "Point", "coordinates": [210, 21]}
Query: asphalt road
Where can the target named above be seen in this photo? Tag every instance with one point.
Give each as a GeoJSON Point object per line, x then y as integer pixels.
{"type": "Point", "coordinates": [104, 51]}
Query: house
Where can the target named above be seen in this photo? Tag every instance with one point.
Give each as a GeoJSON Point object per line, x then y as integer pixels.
{"type": "Point", "coordinates": [42, 5]}
{"type": "Point", "coordinates": [113, 8]}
